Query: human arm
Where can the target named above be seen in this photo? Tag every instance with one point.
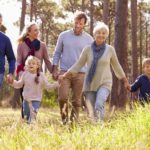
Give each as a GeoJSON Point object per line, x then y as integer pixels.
{"type": "Point", "coordinates": [126, 83]}
{"type": "Point", "coordinates": [48, 85]}
{"type": "Point", "coordinates": [136, 85]}
{"type": "Point", "coordinates": [10, 57]}
{"type": "Point", "coordinates": [77, 66]}
{"type": "Point", "coordinates": [118, 69]}
{"type": "Point", "coordinates": [18, 84]}
{"type": "Point", "coordinates": [56, 56]}
{"type": "Point", "coordinates": [20, 61]}
{"type": "Point", "coordinates": [46, 58]}
{"type": "Point", "coordinates": [116, 65]}
{"type": "Point", "coordinates": [55, 72]}
{"type": "Point", "coordinates": [81, 61]}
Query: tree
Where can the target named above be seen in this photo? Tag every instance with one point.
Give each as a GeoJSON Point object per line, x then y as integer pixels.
{"type": "Point", "coordinates": [119, 94]}
{"type": "Point", "coordinates": [134, 39]}
{"type": "Point", "coordinates": [23, 13]}
{"type": "Point", "coordinates": [91, 17]}
{"type": "Point", "coordinates": [106, 11]}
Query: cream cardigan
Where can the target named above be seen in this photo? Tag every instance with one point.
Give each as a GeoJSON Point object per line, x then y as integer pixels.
{"type": "Point", "coordinates": [103, 74]}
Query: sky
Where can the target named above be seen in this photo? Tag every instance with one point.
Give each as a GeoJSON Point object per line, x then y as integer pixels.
{"type": "Point", "coordinates": [11, 10]}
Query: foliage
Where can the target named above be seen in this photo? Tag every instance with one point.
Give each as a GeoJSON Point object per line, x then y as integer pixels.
{"type": "Point", "coordinates": [49, 99]}
{"type": "Point", "coordinates": [128, 130]}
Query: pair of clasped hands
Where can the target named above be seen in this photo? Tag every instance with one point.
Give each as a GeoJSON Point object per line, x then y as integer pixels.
{"type": "Point", "coordinates": [60, 77]}
{"type": "Point", "coordinates": [9, 79]}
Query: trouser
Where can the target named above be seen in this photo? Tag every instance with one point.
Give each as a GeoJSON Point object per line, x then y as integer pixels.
{"type": "Point", "coordinates": [30, 110]}
{"type": "Point", "coordinates": [95, 103]}
{"type": "Point", "coordinates": [75, 82]}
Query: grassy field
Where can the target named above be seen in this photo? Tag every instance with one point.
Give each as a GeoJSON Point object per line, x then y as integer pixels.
{"type": "Point", "coordinates": [124, 131]}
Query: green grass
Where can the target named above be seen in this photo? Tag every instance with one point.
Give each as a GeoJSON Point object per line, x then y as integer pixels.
{"type": "Point", "coordinates": [124, 131]}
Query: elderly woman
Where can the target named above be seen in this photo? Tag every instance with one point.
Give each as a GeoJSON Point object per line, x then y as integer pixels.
{"type": "Point", "coordinates": [98, 57]}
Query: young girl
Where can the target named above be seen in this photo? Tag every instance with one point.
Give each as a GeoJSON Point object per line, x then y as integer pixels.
{"type": "Point", "coordinates": [33, 81]}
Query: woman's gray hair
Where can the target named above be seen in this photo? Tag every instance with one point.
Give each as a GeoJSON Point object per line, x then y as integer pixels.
{"type": "Point", "coordinates": [101, 26]}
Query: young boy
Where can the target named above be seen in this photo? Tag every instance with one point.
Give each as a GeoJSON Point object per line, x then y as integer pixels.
{"type": "Point", "coordinates": [143, 83]}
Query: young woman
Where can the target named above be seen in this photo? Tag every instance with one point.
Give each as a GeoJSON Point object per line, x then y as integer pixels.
{"type": "Point", "coordinates": [29, 44]}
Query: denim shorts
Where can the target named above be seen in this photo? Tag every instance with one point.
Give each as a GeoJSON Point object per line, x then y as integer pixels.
{"type": "Point", "coordinates": [1, 79]}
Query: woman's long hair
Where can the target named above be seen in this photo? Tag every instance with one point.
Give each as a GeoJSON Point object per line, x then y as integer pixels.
{"type": "Point", "coordinates": [25, 31]}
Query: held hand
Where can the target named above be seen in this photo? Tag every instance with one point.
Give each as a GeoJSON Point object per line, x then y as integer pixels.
{"type": "Point", "coordinates": [56, 85]}
{"type": "Point", "coordinates": [55, 72]}
{"type": "Point", "coordinates": [9, 78]}
{"type": "Point", "coordinates": [55, 75]}
{"type": "Point", "coordinates": [127, 86]}
{"type": "Point", "coordinates": [61, 78]}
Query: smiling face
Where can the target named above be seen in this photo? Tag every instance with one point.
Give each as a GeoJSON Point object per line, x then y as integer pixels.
{"type": "Point", "coordinates": [33, 32]}
{"type": "Point", "coordinates": [100, 36]}
{"type": "Point", "coordinates": [32, 64]}
{"type": "Point", "coordinates": [79, 26]}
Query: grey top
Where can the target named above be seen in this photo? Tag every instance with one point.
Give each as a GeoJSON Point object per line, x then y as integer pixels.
{"type": "Point", "coordinates": [103, 74]}
{"type": "Point", "coordinates": [69, 47]}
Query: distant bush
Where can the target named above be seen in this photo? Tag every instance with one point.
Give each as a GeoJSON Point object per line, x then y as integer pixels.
{"type": "Point", "coordinates": [49, 98]}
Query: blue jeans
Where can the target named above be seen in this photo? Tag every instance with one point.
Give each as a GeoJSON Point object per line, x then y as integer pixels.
{"type": "Point", "coordinates": [95, 103]}
{"type": "Point", "coordinates": [1, 79]}
{"type": "Point", "coordinates": [30, 110]}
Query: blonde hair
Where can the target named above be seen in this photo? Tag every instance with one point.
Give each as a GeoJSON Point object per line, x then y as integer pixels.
{"type": "Point", "coordinates": [25, 31]}
{"type": "Point", "coordinates": [146, 61]}
{"type": "Point", "coordinates": [101, 26]}
{"type": "Point", "coordinates": [33, 58]}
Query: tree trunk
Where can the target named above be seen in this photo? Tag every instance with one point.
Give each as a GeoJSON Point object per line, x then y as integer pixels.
{"type": "Point", "coordinates": [31, 10]}
{"type": "Point", "coordinates": [141, 36]}
{"type": "Point", "coordinates": [83, 6]}
{"type": "Point", "coordinates": [106, 11]}
{"type": "Point", "coordinates": [134, 39]}
{"type": "Point", "coordinates": [23, 13]}
{"type": "Point", "coordinates": [91, 17]}
{"type": "Point", "coordinates": [119, 93]}
{"type": "Point", "coordinates": [146, 38]}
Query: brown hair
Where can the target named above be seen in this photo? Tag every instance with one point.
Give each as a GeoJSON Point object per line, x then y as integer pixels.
{"type": "Point", "coordinates": [146, 61]}
{"type": "Point", "coordinates": [80, 15]}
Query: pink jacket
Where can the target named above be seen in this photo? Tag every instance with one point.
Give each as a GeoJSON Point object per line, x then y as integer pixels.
{"type": "Point", "coordinates": [42, 54]}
